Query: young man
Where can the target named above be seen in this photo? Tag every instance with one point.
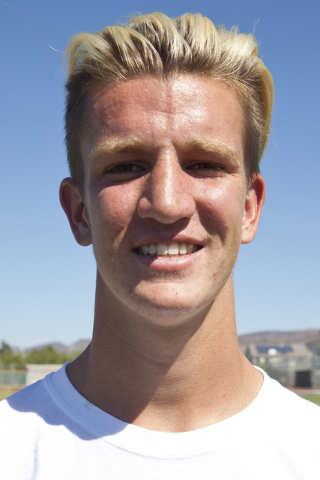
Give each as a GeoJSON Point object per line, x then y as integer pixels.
{"type": "Point", "coordinates": [166, 122]}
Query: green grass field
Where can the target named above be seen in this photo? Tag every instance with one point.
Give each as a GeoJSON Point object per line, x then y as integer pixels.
{"type": "Point", "coordinates": [312, 398]}
{"type": "Point", "coordinates": [6, 393]}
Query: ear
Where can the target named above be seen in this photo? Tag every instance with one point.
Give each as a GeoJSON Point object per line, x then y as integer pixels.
{"type": "Point", "coordinates": [75, 209]}
{"type": "Point", "coordinates": [253, 208]}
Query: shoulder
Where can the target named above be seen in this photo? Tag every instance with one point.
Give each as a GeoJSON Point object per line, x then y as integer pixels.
{"type": "Point", "coordinates": [31, 408]}
{"type": "Point", "coordinates": [20, 426]}
{"type": "Point", "coordinates": [286, 413]}
{"type": "Point", "coordinates": [21, 409]}
{"type": "Point", "coordinates": [285, 428]}
{"type": "Point", "coordinates": [22, 399]}
{"type": "Point", "coordinates": [32, 421]}
{"type": "Point", "coordinates": [283, 398]}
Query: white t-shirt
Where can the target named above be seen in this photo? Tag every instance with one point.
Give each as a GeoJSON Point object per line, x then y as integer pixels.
{"type": "Point", "coordinates": [48, 431]}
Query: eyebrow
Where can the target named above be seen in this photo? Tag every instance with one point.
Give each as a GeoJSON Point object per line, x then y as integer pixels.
{"type": "Point", "coordinates": [136, 145]}
{"type": "Point", "coordinates": [220, 149]}
{"type": "Point", "coordinates": [130, 145]}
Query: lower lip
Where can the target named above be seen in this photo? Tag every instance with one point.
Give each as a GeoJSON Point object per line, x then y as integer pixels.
{"type": "Point", "coordinates": [170, 263]}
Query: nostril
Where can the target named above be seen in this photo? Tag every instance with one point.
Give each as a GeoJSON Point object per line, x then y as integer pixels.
{"type": "Point", "coordinates": [164, 211]}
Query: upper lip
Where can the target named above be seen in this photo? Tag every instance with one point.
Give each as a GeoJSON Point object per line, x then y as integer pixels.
{"type": "Point", "coordinates": [168, 239]}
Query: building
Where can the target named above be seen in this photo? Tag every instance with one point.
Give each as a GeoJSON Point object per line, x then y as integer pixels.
{"type": "Point", "coordinates": [294, 365]}
{"type": "Point", "coordinates": [38, 372]}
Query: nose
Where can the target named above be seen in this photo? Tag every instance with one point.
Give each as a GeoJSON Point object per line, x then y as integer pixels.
{"type": "Point", "coordinates": [167, 196]}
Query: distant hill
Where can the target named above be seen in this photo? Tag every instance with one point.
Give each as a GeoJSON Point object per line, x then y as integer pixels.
{"type": "Point", "coordinates": [273, 337]}
{"type": "Point", "coordinates": [303, 336]}
{"type": "Point", "coordinates": [78, 346]}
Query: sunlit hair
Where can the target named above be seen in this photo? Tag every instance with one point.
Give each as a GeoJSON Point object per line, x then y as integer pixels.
{"type": "Point", "coordinates": [160, 46]}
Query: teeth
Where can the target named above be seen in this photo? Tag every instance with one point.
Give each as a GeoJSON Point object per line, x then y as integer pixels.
{"type": "Point", "coordinates": [152, 249]}
{"type": "Point", "coordinates": [183, 248]}
{"type": "Point", "coordinates": [173, 249]}
{"type": "Point", "coordinates": [189, 248]}
{"type": "Point", "coordinates": [164, 249]}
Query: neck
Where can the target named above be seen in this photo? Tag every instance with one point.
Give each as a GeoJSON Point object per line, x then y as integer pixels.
{"type": "Point", "coordinates": [153, 377]}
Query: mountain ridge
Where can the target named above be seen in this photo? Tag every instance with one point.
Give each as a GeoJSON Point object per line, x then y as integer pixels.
{"type": "Point", "coordinates": [298, 336]}
{"type": "Point", "coordinates": [265, 337]}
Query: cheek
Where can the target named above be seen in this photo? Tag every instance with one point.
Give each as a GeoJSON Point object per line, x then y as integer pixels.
{"type": "Point", "coordinates": [222, 208]}
{"type": "Point", "coordinates": [115, 207]}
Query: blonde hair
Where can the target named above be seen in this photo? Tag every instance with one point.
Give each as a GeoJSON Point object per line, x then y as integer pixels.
{"type": "Point", "coordinates": [157, 45]}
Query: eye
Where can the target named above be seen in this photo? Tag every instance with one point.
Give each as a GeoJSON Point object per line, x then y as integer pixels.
{"type": "Point", "coordinates": [206, 168]}
{"type": "Point", "coordinates": [123, 172]}
{"type": "Point", "coordinates": [125, 168]}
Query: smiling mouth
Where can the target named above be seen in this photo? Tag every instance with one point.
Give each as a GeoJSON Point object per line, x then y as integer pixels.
{"type": "Point", "coordinates": [168, 249]}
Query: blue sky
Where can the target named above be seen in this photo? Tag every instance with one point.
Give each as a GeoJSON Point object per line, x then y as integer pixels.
{"type": "Point", "coordinates": [46, 280]}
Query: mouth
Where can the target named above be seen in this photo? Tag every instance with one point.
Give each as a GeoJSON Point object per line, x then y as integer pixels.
{"type": "Point", "coordinates": [172, 249]}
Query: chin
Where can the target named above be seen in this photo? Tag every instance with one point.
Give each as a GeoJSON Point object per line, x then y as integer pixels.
{"type": "Point", "coordinates": [169, 309]}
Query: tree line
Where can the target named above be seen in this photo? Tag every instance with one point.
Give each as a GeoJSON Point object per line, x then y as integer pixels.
{"type": "Point", "coordinates": [45, 355]}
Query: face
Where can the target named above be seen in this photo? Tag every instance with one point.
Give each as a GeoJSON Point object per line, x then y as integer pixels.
{"type": "Point", "coordinates": [166, 202]}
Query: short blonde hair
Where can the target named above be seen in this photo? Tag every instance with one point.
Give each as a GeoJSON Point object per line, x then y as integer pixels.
{"type": "Point", "coordinates": [157, 45]}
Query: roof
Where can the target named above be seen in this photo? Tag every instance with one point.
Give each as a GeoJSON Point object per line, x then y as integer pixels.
{"type": "Point", "coordinates": [292, 350]}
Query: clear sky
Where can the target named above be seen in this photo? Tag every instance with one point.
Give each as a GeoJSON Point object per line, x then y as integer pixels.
{"type": "Point", "coordinates": [46, 280]}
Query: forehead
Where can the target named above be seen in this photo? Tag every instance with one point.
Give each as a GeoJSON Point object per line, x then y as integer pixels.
{"type": "Point", "coordinates": [156, 113]}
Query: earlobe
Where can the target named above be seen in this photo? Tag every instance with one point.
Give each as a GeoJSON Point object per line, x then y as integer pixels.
{"type": "Point", "coordinates": [75, 209]}
{"type": "Point", "coordinates": [253, 208]}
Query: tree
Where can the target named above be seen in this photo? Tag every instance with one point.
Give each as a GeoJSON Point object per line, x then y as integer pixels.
{"type": "Point", "coordinates": [5, 348]}
{"type": "Point", "coordinates": [8, 358]}
{"type": "Point", "coordinates": [46, 355]}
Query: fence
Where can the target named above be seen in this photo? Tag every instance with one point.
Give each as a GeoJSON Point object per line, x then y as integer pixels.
{"type": "Point", "coordinates": [12, 376]}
